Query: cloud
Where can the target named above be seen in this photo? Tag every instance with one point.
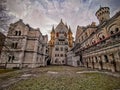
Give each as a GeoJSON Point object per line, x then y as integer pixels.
{"type": "Point", "coordinates": [46, 13]}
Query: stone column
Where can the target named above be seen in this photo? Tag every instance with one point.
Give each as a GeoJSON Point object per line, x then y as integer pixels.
{"type": "Point", "coordinates": [93, 63]}
{"type": "Point", "coordinates": [113, 62]}
{"type": "Point", "coordinates": [100, 63]}
{"type": "Point", "coordinates": [117, 58]}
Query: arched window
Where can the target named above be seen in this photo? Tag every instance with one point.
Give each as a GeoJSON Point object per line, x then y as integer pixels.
{"type": "Point", "coordinates": [19, 33]}
{"type": "Point", "coordinates": [106, 58]}
{"type": "Point", "coordinates": [57, 49]}
{"type": "Point", "coordinates": [100, 38]}
{"type": "Point", "coordinates": [11, 58]}
{"type": "Point", "coordinates": [103, 37]}
{"type": "Point", "coordinates": [66, 49]}
{"type": "Point", "coordinates": [116, 29]}
{"type": "Point", "coordinates": [96, 59]}
{"type": "Point", "coordinates": [111, 32]}
{"type": "Point", "coordinates": [61, 55]}
{"type": "Point", "coordinates": [14, 45]}
{"type": "Point", "coordinates": [16, 33]}
{"type": "Point", "coordinates": [56, 60]}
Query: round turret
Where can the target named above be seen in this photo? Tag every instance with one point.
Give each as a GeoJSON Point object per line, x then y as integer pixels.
{"type": "Point", "coordinates": [103, 14]}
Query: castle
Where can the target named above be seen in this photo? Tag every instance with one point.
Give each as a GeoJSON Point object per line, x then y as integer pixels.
{"type": "Point", "coordinates": [61, 41]}
{"type": "Point", "coordinates": [96, 46]}
{"type": "Point", "coordinates": [24, 47]}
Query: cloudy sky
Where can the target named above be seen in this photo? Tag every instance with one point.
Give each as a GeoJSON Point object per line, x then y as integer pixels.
{"type": "Point", "coordinates": [44, 14]}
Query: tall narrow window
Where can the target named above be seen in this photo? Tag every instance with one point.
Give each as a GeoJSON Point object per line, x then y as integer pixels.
{"type": "Point", "coordinates": [106, 58]}
{"type": "Point", "coordinates": [14, 45]}
{"type": "Point", "coordinates": [16, 33]}
{"type": "Point", "coordinates": [61, 48]}
{"type": "Point", "coordinates": [9, 58]}
{"type": "Point", "coordinates": [19, 33]}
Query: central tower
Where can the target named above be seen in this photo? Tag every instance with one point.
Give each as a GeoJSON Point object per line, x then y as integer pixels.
{"type": "Point", "coordinates": [61, 41]}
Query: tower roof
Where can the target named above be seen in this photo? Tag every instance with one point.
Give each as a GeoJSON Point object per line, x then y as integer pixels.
{"type": "Point", "coordinates": [53, 30]}
{"type": "Point", "coordinates": [69, 30]}
{"type": "Point", "coordinates": [101, 9]}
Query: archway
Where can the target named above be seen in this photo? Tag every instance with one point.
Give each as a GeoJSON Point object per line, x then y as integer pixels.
{"type": "Point", "coordinates": [48, 61]}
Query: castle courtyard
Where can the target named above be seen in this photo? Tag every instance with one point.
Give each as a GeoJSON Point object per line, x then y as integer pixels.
{"type": "Point", "coordinates": [59, 78]}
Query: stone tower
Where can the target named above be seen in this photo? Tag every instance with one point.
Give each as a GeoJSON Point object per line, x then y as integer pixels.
{"type": "Point", "coordinates": [103, 14]}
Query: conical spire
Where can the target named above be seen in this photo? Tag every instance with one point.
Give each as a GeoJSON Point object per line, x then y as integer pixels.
{"type": "Point", "coordinates": [53, 30]}
{"type": "Point", "coordinates": [61, 21]}
{"type": "Point", "coordinates": [69, 30]}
